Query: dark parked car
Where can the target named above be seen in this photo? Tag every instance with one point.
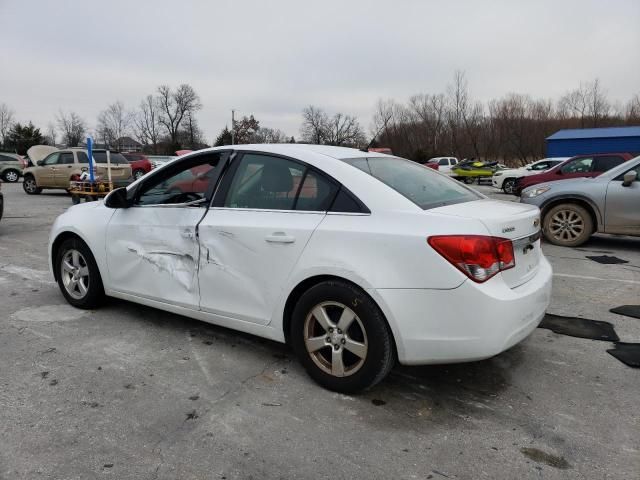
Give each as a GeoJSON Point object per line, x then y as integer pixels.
{"type": "Point", "coordinates": [576, 167]}
{"type": "Point", "coordinates": [1, 201]}
{"type": "Point", "coordinates": [140, 164]}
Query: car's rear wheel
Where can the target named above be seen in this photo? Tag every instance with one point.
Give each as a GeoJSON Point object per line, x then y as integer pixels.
{"type": "Point", "coordinates": [78, 275]}
{"type": "Point", "coordinates": [138, 173]}
{"type": "Point", "coordinates": [341, 337]}
{"type": "Point", "coordinates": [509, 186]}
{"type": "Point", "coordinates": [568, 225]}
{"type": "Point", "coordinates": [11, 176]}
{"type": "Point", "coordinates": [30, 185]}
{"type": "Point", "coordinates": [469, 180]}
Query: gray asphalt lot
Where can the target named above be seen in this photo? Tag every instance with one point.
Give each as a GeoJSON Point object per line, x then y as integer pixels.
{"type": "Point", "coordinates": [130, 392]}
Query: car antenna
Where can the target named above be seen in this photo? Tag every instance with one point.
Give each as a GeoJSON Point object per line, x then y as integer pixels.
{"type": "Point", "coordinates": [384, 125]}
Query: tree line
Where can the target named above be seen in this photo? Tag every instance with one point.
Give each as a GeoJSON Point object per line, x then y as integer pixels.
{"type": "Point", "coordinates": [511, 129]}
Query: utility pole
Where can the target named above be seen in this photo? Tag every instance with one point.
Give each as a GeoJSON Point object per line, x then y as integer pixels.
{"type": "Point", "coordinates": [233, 127]}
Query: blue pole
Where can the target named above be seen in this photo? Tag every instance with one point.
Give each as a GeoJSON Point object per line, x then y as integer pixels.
{"type": "Point", "coordinates": [90, 155]}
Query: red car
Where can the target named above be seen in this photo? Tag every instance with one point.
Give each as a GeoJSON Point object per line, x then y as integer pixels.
{"type": "Point", "coordinates": [140, 164]}
{"type": "Point", "coordinates": [580, 166]}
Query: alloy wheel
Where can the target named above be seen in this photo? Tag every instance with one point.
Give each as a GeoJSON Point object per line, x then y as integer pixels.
{"type": "Point", "coordinates": [11, 176]}
{"type": "Point", "coordinates": [30, 185]}
{"type": "Point", "coordinates": [509, 186]}
{"type": "Point", "coordinates": [335, 339]}
{"type": "Point", "coordinates": [566, 225]}
{"type": "Point", "coordinates": [75, 274]}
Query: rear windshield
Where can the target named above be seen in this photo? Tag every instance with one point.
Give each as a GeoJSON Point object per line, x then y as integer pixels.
{"type": "Point", "coordinates": [101, 157]}
{"type": "Point", "coordinates": [422, 185]}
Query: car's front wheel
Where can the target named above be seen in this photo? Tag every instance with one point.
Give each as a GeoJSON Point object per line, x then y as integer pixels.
{"type": "Point", "coordinates": [78, 275]}
{"type": "Point", "coordinates": [11, 176]}
{"type": "Point", "coordinates": [509, 186]}
{"type": "Point", "coordinates": [469, 180]}
{"type": "Point", "coordinates": [30, 185]}
{"type": "Point", "coordinates": [341, 337]}
{"type": "Point", "coordinates": [568, 225]}
{"type": "Point", "coordinates": [138, 173]}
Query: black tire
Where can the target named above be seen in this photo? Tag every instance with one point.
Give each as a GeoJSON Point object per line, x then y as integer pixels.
{"type": "Point", "coordinates": [11, 175]}
{"type": "Point", "coordinates": [137, 173]}
{"type": "Point", "coordinates": [368, 328]}
{"type": "Point", "coordinates": [509, 186]}
{"type": "Point", "coordinates": [75, 199]}
{"type": "Point", "coordinates": [567, 225]}
{"type": "Point", "coordinates": [30, 186]}
{"type": "Point", "coordinates": [94, 295]}
{"type": "Point", "coordinates": [469, 180]}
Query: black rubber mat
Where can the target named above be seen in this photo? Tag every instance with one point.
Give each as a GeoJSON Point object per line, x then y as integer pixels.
{"type": "Point", "coordinates": [579, 327]}
{"type": "Point", "coordinates": [627, 353]}
{"type": "Point", "coordinates": [608, 260]}
{"type": "Point", "coordinates": [628, 310]}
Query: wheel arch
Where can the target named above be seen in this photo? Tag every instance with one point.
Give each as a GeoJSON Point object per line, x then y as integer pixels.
{"type": "Point", "coordinates": [307, 283]}
{"type": "Point", "coordinates": [593, 210]}
{"type": "Point", "coordinates": [55, 245]}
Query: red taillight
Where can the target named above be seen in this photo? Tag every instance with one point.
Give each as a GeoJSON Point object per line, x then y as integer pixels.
{"type": "Point", "coordinates": [477, 256]}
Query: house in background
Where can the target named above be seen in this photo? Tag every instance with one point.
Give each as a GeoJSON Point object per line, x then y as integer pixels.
{"type": "Point", "coordinates": [127, 144]}
{"type": "Point", "coordinates": [585, 141]}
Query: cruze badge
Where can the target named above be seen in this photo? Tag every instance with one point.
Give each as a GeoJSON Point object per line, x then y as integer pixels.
{"type": "Point", "coordinates": [508, 229]}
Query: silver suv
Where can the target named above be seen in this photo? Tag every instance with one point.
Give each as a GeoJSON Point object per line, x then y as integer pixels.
{"type": "Point", "coordinates": [574, 209]}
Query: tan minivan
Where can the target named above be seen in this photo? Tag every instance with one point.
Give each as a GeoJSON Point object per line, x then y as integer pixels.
{"type": "Point", "coordinates": [56, 168]}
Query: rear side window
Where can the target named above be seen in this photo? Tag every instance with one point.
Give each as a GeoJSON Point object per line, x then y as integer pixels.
{"type": "Point", "coordinates": [4, 158]}
{"type": "Point", "coordinates": [116, 158]}
{"type": "Point", "coordinates": [66, 158]}
{"type": "Point", "coordinates": [443, 161]}
{"type": "Point", "coordinates": [579, 165]}
{"type": "Point", "coordinates": [82, 157]}
{"type": "Point", "coordinates": [603, 164]}
{"type": "Point", "coordinates": [316, 193]}
{"type": "Point", "coordinates": [422, 185]}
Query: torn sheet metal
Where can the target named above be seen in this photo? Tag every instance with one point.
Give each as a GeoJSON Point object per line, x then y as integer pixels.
{"type": "Point", "coordinates": [179, 265]}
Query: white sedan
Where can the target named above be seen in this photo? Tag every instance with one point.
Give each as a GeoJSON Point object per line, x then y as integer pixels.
{"type": "Point", "coordinates": [357, 259]}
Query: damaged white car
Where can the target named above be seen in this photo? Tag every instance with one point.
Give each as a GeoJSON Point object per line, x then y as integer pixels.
{"type": "Point", "coordinates": [357, 259]}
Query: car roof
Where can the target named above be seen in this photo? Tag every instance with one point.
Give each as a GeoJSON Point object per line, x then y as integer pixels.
{"type": "Point", "coordinates": [339, 153]}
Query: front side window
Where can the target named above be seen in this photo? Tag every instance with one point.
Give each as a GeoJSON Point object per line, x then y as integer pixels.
{"type": "Point", "coordinates": [82, 157]}
{"type": "Point", "coordinates": [443, 162]}
{"type": "Point", "coordinates": [579, 165]}
{"type": "Point", "coordinates": [420, 184]}
{"type": "Point", "coordinates": [187, 182]}
{"type": "Point", "coordinates": [51, 159]}
{"type": "Point", "coordinates": [4, 158]}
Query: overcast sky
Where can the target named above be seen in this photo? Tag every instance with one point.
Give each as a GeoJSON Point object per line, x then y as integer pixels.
{"type": "Point", "coordinates": [272, 58]}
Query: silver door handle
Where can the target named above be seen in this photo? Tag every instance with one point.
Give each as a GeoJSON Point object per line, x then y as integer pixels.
{"type": "Point", "coordinates": [186, 234]}
{"type": "Point", "coordinates": [280, 237]}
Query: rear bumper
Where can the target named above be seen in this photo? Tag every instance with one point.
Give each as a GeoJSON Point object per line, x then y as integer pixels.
{"type": "Point", "coordinates": [471, 322]}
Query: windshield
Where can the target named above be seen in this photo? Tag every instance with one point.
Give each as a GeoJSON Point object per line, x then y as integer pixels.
{"type": "Point", "coordinates": [422, 185]}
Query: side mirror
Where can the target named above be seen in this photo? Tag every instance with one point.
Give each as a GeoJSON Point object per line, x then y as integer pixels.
{"type": "Point", "coordinates": [40, 163]}
{"type": "Point", "coordinates": [117, 199]}
{"type": "Point", "coordinates": [529, 168]}
{"type": "Point", "coordinates": [629, 178]}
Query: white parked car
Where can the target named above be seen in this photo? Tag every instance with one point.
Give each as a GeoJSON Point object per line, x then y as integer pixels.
{"type": "Point", "coordinates": [356, 259]}
{"type": "Point", "coordinates": [445, 164]}
{"type": "Point", "coordinates": [506, 179]}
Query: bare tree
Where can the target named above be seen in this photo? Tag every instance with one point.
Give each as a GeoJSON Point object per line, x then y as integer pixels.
{"type": "Point", "coordinates": [344, 130]}
{"type": "Point", "coordinates": [51, 135]}
{"type": "Point", "coordinates": [269, 135]}
{"type": "Point", "coordinates": [632, 112]}
{"type": "Point", "coordinates": [314, 125]}
{"type": "Point", "coordinates": [174, 106]}
{"type": "Point", "coordinates": [598, 104]}
{"type": "Point", "coordinates": [147, 122]}
{"type": "Point", "coordinates": [113, 124]}
{"type": "Point", "coordinates": [6, 122]}
{"type": "Point", "coordinates": [72, 126]}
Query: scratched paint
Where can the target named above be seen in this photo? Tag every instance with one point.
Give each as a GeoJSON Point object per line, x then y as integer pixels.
{"type": "Point", "coordinates": [181, 266]}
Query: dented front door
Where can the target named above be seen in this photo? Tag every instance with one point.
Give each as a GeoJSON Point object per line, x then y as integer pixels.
{"type": "Point", "coordinates": [152, 252]}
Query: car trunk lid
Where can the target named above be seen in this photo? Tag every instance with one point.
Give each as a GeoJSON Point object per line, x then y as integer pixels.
{"type": "Point", "coordinates": [517, 222]}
